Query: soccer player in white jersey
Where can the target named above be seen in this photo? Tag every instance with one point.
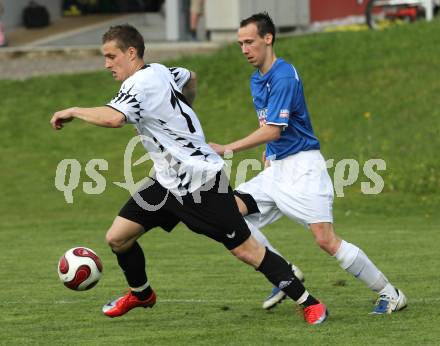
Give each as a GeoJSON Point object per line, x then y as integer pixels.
{"type": "Point", "coordinates": [296, 182]}
{"type": "Point", "coordinates": [189, 184]}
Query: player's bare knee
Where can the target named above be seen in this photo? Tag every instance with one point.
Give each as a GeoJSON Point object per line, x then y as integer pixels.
{"type": "Point", "coordinates": [122, 234]}
{"type": "Point", "coordinates": [112, 242]}
{"type": "Point", "coordinates": [116, 243]}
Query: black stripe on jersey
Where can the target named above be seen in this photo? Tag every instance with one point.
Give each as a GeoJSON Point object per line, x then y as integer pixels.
{"type": "Point", "coordinates": [182, 98]}
{"type": "Point", "coordinates": [197, 153]}
{"type": "Point", "coordinates": [118, 97]}
{"type": "Point", "coordinates": [175, 97]}
{"type": "Point", "coordinates": [160, 146]}
{"type": "Point", "coordinates": [175, 74]}
{"type": "Point", "coordinates": [127, 97]}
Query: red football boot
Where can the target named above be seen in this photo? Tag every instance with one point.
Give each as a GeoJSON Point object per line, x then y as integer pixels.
{"type": "Point", "coordinates": [315, 314]}
{"type": "Point", "coordinates": [124, 304]}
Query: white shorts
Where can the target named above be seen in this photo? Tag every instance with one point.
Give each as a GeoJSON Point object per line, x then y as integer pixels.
{"type": "Point", "coordinates": [297, 186]}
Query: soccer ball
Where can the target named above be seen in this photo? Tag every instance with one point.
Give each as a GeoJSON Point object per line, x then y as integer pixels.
{"type": "Point", "coordinates": [79, 268]}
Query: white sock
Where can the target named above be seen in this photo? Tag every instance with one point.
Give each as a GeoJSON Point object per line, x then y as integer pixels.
{"type": "Point", "coordinates": [303, 298]}
{"type": "Point", "coordinates": [141, 288]}
{"type": "Point", "coordinates": [389, 290]}
{"type": "Point", "coordinates": [355, 261]}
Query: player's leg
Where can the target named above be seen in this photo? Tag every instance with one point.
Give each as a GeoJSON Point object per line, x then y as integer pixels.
{"type": "Point", "coordinates": [122, 237]}
{"type": "Point", "coordinates": [253, 221]}
{"type": "Point", "coordinates": [279, 273]}
{"type": "Point", "coordinates": [308, 200]}
{"type": "Point", "coordinates": [276, 296]}
{"type": "Point", "coordinates": [216, 216]}
{"type": "Point", "coordinates": [352, 259]}
{"type": "Point", "coordinates": [248, 208]}
{"type": "Point", "coordinates": [260, 210]}
{"type": "Point", "coordinates": [122, 234]}
{"type": "Point", "coordinates": [132, 222]}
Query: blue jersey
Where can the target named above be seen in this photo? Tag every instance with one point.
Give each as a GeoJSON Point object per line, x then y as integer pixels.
{"type": "Point", "coordinates": [278, 98]}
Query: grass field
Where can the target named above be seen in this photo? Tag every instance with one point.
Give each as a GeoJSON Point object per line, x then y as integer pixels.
{"type": "Point", "coordinates": [371, 95]}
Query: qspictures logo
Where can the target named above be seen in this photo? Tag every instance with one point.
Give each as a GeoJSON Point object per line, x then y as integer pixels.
{"type": "Point", "coordinates": [68, 174]}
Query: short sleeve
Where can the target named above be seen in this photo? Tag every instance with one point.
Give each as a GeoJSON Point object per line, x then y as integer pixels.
{"type": "Point", "coordinates": [281, 95]}
{"type": "Point", "coordinates": [180, 75]}
{"type": "Point", "coordinates": [128, 101]}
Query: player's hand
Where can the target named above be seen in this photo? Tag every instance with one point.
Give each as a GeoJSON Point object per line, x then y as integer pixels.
{"type": "Point", "coordinates": [60, 118]}
{"type": "Point", "coordinates": [218, 148]}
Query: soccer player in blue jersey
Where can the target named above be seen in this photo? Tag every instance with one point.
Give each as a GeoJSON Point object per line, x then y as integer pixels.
{"type": "Point", "coordinates": [295, 181]}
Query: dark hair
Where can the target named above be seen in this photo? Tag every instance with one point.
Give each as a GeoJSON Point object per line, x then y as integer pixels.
{"type": "Point", "coordinates": [263, 22]}
{"type": "Point", "coordinates": [126, 36]}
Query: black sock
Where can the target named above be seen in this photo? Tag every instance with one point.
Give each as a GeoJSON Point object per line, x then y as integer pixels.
{"type": "Point", "coordinates": [144, 294]}
{"type": "Point", "coordinates": [279, 273]}
{"type": "Point", "coordinates": [309, 301]}
{"type": "Point", "coordinates": [132, 263]}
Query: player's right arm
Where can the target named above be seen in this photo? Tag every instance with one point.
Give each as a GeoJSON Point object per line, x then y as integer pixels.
{"type": "Point", "coordinates": [100, 116]}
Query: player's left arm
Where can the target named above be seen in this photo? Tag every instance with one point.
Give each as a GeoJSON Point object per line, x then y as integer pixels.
{"type": "Point", "coordinates": [189, 90]}
{"type": "Point", "coordinates": [264, 134]}
{"type": "Point", "coordinates": [101, 116]}
{"type": "Point", "coordinates": [277, 118]}
{"type": "Point", "coordinates": [186, 81]}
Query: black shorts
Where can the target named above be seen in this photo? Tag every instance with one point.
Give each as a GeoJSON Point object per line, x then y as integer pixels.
{"type": "Point", "coordinates": [216, 214]}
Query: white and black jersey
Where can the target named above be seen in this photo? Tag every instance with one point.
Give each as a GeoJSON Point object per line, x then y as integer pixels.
{"type": "Point", "coordinates": [152, 100]}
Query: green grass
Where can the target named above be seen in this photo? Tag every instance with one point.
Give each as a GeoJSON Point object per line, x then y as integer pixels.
{"type": "Point", "coordinates": [205, 296]}
{"type": "Point", "coordinates": [371, 95]}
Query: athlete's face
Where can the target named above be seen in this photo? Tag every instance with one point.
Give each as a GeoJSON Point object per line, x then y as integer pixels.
{"type": "Point", "coordinates": [253, 46]}
{"type": "Point", "coordinates": [117, 61]}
